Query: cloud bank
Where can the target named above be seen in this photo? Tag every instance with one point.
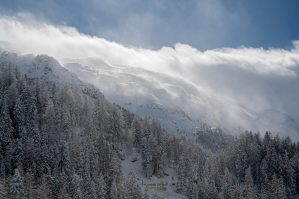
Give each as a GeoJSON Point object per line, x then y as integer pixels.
{"type": "Point", "coordinates": [205, 24]}
{"type": "Point", "coordinates": [244, 87]}
{"type": "Point", "coordinates": [159, 22]}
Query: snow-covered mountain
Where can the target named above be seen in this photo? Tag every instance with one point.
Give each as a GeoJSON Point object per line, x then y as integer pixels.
{"type": "Point", "coordinates": [234, 88]}
{"type": "Point", "coordinates": [179, 105]}
{"type": "Point", "coordinates": [137, 91]}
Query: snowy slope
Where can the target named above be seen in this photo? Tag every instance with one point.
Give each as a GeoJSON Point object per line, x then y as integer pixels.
{"type": "Point", "coordinates": [146, 93]}
{"type": "Point", "coordinates": [43, 66]}
{"type": "Point", "coordinates": [172, 119]}
{"type": "Point", "coordinates": [139, 94]}
{"type": "Point", "coordinates": [177, 103]}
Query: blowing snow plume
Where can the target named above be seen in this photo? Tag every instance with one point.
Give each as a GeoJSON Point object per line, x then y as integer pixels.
{"type": "Point", "coordinates": [236, 88]}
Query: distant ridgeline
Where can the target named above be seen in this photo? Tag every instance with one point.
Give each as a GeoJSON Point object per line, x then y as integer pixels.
{"type": "Point", "coordinates": [60, 138]}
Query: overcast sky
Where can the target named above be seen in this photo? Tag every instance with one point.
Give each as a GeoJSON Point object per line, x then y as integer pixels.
{"type": "Point", "coordinates": [204, 24]}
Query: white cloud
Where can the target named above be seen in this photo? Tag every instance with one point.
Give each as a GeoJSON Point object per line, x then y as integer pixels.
{"type": "Point", "coordinates": [66, 42]}
{"type": "Point", "coordinates": [231, 84]}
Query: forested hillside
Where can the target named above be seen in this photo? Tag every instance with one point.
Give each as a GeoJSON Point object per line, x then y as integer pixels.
{"type": "Point", "coordinates": [61, 139]}
{"type": "Point", "coordinates": [251, 167]}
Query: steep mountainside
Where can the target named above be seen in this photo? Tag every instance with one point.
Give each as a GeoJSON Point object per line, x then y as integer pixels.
{"type": "Point", "coordinates": [181, 106]}
{"type": "Point", "coordinates": [60, 138]}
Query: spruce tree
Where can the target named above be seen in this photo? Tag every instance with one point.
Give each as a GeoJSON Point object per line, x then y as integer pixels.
{"type": "Point", "coordinates": [3, 189]}
{"type": "Point", "coordinates": [16, 190]}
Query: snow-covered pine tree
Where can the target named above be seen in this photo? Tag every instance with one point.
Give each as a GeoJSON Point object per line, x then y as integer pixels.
{"type": "Point", "coordinates": [249, 191]}
{"type": "Point", "coordinates": [277, 188]}
{"type": "Point", "coordinates": [16, 186]}
{"type": "Point", "coordinates": [102, 187]}
{"type": "Point", "coordinates": [3, 189]}
{"type": "Point", "coordinates": [114, 193]}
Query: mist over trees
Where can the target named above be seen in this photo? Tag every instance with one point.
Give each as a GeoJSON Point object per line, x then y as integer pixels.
{"type": "Point", "coordinates": [58, 140]}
